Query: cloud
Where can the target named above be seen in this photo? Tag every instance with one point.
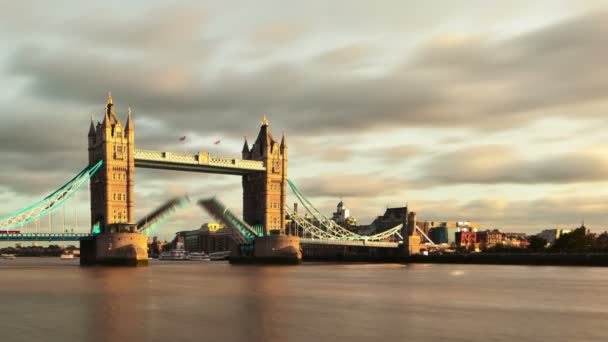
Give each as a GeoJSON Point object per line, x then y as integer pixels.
{"type": "Point", "coordinates": [501, 164]}
{"type": "Point", "coordinates": [346, 55]}
{"type": "Point", "coordinates": [177, 67]}
{"type": "Point", "coordinates": [278, 33]}
{"type": "Point", "coordinates": [349, 185]}
{"type": "Point", "coordinates": [529, 216]}
{"type": "Point", "coordinates": [162, 29]}
{"type": "Point", "coordinates": [460, 82]}
{"type": "Point", "coordinates": [396, 154]}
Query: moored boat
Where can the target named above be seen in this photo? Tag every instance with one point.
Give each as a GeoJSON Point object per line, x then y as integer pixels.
{"type": "Point", "coordinates": [176, 254]}
{"type": "Point", "coordinates": [8, 256]}
{"type": "Point", "coordinates": [66, 256]}
{"type": "Point", "coordinates": [198, 256]}
{"type": "Point", "coordinates": [218, 256]}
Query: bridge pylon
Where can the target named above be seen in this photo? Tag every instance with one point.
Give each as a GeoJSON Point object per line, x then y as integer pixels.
{"type": "Point", "coordinates": [112, 193]}
{"type": "Point", "coordinates": [265, 197]}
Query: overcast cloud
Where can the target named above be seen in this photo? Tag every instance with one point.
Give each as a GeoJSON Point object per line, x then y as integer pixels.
{"type": "Point", "coordinates": [458, 112]}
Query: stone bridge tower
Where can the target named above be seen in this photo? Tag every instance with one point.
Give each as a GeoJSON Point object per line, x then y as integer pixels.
{"type": "Point", "coordinates": [112, 197]}
{"type": "Point", "coordinates": [264, 193]}
{"type": "Point", "coordinates": [116, 240]}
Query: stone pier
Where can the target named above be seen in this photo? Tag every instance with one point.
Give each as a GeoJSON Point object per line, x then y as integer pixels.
{"type": "Point", "coordinates": [273, 249]}
{"type": "Point", "coordinates": [115, 248]}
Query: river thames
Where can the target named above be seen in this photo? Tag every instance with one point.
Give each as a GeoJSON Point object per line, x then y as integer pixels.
{"type": "Point", "coordinates": [43, 299]}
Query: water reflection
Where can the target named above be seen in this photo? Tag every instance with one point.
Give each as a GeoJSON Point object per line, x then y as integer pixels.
{"type": "Point", "coordinates": [49, 300]}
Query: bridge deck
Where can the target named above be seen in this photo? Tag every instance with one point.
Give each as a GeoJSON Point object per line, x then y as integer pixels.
{"type": "Point", "coordinates": [380, 244]}
{"type": "Point", "coordinates": [46, 237]}
{"type": "Point", "coordinates": [199, 162]}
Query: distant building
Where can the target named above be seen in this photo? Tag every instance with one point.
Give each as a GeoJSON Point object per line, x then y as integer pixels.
{"type": "Point", "coordinates": [490, 238]}
{"type": "Point", "coordinates": [516, 240]}
{"type": "Point", "coordinates": [439, 235]}
{"type": "Point", "coordinates": [154, 246]}
{"type": "Point", "coordinates": [445, 232]}
{"type": "Point", "coordinates": [392, 217]}
{"type": "Point", "coordinates": [466, 239]}
{"type": "Point", "coordinates": [210, 238]}
{"type": "Point", "coordinates": [550, 235]}
{"type": "Point", "coordinates": [341, 215]}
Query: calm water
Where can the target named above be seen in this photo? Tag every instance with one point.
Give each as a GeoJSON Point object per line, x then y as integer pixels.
{"type": "Point", "coordinates": [51, 300]}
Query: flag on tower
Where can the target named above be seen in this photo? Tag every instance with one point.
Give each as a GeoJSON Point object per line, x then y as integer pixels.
{"type": "Point", "coordinates": [182, 138]}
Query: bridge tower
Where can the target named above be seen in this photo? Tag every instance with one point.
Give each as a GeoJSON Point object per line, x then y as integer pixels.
{"type": "Point", "coordinates": [265, 193]}
{"type": "Point", "coordinates": [112, 196]}
{"type": "Point", "coordinates": [264, 200]}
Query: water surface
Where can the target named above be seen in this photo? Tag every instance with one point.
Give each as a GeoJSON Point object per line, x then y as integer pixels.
{"type": "Point", "coordinates": [45, 299]}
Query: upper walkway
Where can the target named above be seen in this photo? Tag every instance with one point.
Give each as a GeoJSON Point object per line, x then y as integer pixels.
{"type": "Point", "coordinates": [45, 237]}
{"type": "Point", "coordinates": [199, 162]}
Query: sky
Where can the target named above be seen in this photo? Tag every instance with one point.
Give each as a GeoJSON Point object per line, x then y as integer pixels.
{"type": "Point", "coordinates": [493, 112]}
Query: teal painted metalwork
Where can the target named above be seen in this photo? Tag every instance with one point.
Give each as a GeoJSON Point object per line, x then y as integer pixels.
{"type": "Point", "coordinates": [46, 237]}
{"type": "Point", "coordinates": [329, 230]}
{"type": "Point", "coordinates": [150, 224]}
{"type": "Point", "coordinates": [97, 228]}
{"type": "Point", "coordinates": [240, 231]}
{"type": "Point", "coordinates": [51, 202]}
{"type": "Point", "coordinates": [259, 229]}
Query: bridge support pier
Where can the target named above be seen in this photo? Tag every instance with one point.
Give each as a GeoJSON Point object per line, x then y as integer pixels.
{"type": "Point", "coordinates": [115, 248]}
{"type": "Point", "coordinates": [273, 249]}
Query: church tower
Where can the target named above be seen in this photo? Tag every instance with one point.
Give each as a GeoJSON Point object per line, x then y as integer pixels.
{"type": "Point", "coordinates": [264, 193]}
{"type": "Point", "coordinates": [112, 196]}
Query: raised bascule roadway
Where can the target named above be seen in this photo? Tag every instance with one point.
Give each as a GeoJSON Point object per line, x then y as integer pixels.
{"type": "Point", "coordinates": [114, 237]}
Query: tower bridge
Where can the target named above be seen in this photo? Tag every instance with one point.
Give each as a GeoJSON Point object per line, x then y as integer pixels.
{"type": "Point", "coordinates": [116, 238]}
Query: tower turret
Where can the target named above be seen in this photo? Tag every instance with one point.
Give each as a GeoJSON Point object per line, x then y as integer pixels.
{"type": "Point", "coordinates": [129, 124]}
{"type": "Point", "coordinates": [245, 151]}
{"type": "Point", "coordinates": [283, 142]}
{"type": "Point", "coordinates": [92, 127]}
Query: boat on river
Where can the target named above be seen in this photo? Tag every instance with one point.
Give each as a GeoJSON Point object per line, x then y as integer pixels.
{"type": "Point", "coordinates": [176, 254]}
{"type": "Point", "coordinates": [66, 256]}
{"type": "Point", "coordinates": [218, 256]}
{"type": "Point", "coordinates": [8, 256]}
{"type": "Point", "coordinates": [198, 256]}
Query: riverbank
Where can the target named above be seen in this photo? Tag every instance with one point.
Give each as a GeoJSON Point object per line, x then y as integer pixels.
{"type": "Point", "coordinates": [548, 259]}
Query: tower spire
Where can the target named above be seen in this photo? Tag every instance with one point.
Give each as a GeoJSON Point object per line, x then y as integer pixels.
{"type": "Point", "coordinates": [92, 127]}
{"type": "Point", "coordinates": [245, 146]}
{"type": "Point", "coordinates": [283, 141]}
{"type": "Point", "coordinates": [265, 121]}
{"type": "Point", "coordinates": [129, 124]}
{"type": "Point", "coordinates": [110, 102]}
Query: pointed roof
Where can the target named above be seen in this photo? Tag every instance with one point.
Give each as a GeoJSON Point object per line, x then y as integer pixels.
{"type": "Point", "coordinates": [92, 127]}
{"type": "Point", "coordinates": [129, 124]}
{"type": "Point", "coordinates": [265, 121]}
{"type": "Point", "coordinates": [283, 141]}
{"type": "Point", "coordinates": [245, 146]}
